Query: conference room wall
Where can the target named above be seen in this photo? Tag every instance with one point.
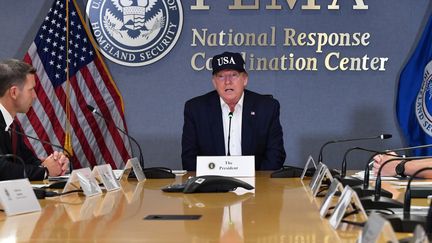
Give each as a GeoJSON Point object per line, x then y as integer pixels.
{"type": "Point", "coordinates": [316, 106]}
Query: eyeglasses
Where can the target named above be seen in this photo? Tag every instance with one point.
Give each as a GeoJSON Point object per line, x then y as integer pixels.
{"type": "Point", "coordinates": [229, 76]}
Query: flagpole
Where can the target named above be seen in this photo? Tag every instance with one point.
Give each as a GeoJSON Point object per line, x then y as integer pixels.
{"type": "Point", "coordinates": [68, 139]}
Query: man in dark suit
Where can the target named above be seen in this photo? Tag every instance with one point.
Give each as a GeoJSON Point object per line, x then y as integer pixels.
{"type": "Point", "coordinates": [249, 119]}
{"type": "Point", "coordinates": [17, 83]}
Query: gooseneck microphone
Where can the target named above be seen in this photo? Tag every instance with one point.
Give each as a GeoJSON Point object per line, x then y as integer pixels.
{"type": "Point", "coordinates": [230, 115]}
{"type": "Point", "coordinates": [49, 143]}
{"type": "Point", "coordinates": [150, 173]}
{"type": "Point", "coordinates": [382, 136]}
{"type": "Point", "coordinates": [407, 221]}
{"type": "Point", "coordinates": [376, 201]}
{"type": "Point", "coordinates": [366, 171]}
{"type": "Point", "coordinates": [352, 181]}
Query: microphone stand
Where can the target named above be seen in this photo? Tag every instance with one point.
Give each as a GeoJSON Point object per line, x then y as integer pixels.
{"type": "Point", "coordinates": [368, 190]}
{"type": "Point", "coordinates": [291, 171]}
{"type": "Point", "coordinates": [320, 156]}
{"type": "Point", "coordinates": [408, 222]}
{"type": "Point", "coordinates": [356, 183]}
{"type": "Point", "coordinates": [230, 115]}
{"type": "Point", "coordinates": [378, 202]}
{"type": "Point", "coordinates": [150, 173]}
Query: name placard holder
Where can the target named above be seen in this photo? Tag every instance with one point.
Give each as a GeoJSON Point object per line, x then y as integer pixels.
{"type": "Point", "coordinates": [105, 174]}
{"type": "Point", "coordinates": [316, 175]}
{"type": "Point", "coordinates": [324, 175]}
{"type": "Point", "coordinates": [334, 187]}
{"type": "Point", "coordinates": [133, 164]}
{"type": "Point", "coordinates": [17, 197]}
{"type": "Point", "coordinates": [348, 199]}
{"type": "Point", "coordinates": [83, 178]}
{"type": "Point", "coordinates": [234, 166]}
{"type": "Point", "coordinates": [310, 160]}
{"type": "Point", "coordinates": [420, 235]}
{"type": "Point", "coordinates": [377, 229]}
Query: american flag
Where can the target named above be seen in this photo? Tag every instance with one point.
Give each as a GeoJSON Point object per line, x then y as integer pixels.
{"type": "Point", "coordinates": [61, 106]}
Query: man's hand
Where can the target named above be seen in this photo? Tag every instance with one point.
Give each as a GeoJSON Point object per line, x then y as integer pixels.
{"type": "Point", "coordinates": [57, 164]}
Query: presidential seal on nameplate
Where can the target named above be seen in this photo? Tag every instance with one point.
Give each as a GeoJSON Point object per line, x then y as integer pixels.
{"type": "Point", "coordinates": [235, 166]}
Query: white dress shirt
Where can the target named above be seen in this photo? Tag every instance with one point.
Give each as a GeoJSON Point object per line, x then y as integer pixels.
{"type": "Point", "coordinates": [7, 117]}
{"type": "Point", "coordinates": [236, 126]}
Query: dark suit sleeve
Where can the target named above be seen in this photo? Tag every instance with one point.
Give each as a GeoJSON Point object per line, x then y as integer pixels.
{"type": "Point", "coordinates": [189, 139]}
{"type": "Point", "coordinates": [274, 157]}
{"type": "Point", "coordinates": [14, 168]}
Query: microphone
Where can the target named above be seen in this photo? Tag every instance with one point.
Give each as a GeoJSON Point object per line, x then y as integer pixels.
{"type": "Point", "coordinates": [376, 201]}
{"type": "Point", "coordinates": [150, 173]}
{"type": "Point", "coordinates": [382, 136]}
{"type": "Point", "coordinates": [352, 181]}
{"type": "Point", "coordinates": [408, 222]}
{"type": "Point", "coordinates": [366, 171]}
{"type": "Point", "coordinates": [49, 143]}
{"type": "Point", "coordinates": [291, 171]}
{"type": "Point", "coordinates": [356, 184]}
{"type": "Point", "coordinates": [230, 115]}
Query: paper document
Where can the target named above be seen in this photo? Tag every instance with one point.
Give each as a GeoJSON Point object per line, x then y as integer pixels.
{"type": "Point", "coordinates": [360, 175]}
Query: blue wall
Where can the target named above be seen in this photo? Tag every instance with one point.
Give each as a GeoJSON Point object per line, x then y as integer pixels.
{"type": "Point", "coordinates": [316, 106]}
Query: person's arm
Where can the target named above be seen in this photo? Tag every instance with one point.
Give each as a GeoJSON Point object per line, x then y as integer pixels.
{"type": "Point", "coordinates": [410, 167]}
{"type": "Point", "coordinates": [275, 152]}
{"type": "Point", "coordinates": [189, 140]}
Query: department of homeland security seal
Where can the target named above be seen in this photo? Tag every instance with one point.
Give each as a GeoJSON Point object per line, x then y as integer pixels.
{"type": "Point", "coordinates": [423, 101]}
{"type": "Point", "coordinates": [135, 32]}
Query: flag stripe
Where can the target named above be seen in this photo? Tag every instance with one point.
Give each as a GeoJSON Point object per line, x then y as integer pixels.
{"type": "Point", "coordinates": [94, 140]}
{"type": "Point", "coordinates": [96, 92]}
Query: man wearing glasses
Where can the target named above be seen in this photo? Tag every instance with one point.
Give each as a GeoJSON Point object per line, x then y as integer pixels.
{"type": "Point", "coordinates": [232, 120]}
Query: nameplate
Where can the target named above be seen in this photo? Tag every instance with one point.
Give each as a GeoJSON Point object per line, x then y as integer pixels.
{"type": "Point", "coordinates": [133, 164]}
{"type": "Point", "coordinates": [347, 200]}
{"type": "Point", "coordinates": [84, 179]}
{"type": "Point", "coordinates": [334, 187]}
{"type": "Point", "coordinates": [105, 174]}
{"type": "Point", "coordinates": [375, 227]}
{"type": "Point", "coordinates": [309, 161]}
{"type": "Point", "coordinates": [17, 197]}
{"type": "Point", "coordinates": [316, 175]}
{"type": "Point", "coordinates": [324, 175]}
{"type": "Point", "coordinates": [235, 166]}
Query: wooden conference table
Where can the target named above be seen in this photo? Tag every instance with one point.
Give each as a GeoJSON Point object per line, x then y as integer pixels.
{"type": "Point", "coordinates": [280, 210]}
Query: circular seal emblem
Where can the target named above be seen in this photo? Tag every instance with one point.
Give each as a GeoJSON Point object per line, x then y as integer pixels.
{"type": "Point", "coordinates": [423, 101]}
{"type": "Point", "coordinates": [211, 165]}
{"type": "Point", "coordinates": [135, 32]}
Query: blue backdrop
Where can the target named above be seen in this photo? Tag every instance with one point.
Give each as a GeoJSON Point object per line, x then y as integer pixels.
{"type": "Point", "coordinates": [316, 106]}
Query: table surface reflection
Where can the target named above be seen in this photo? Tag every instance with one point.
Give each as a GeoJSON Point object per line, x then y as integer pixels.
{"type": "Point", "coordinates": [280, 210]}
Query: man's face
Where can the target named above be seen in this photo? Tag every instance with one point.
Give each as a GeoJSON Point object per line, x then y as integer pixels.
{"type": "Point", "coordinates": [25, 95]}
{"type": "Point", "coordinates": [230, 85]}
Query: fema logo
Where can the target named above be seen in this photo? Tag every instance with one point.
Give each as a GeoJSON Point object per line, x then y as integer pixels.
{"type": "Point", "coordinates": [135, 32]}
{"type": "Point", "coordinates": [423, 101]}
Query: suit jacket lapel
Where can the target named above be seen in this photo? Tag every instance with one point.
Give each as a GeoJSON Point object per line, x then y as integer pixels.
{"type": "Point", "coordinates": [216, 124]}
{"type": "Point", "coordinates": [248, 125]}
{"type": "Point", "coordinates": [5, 139]}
